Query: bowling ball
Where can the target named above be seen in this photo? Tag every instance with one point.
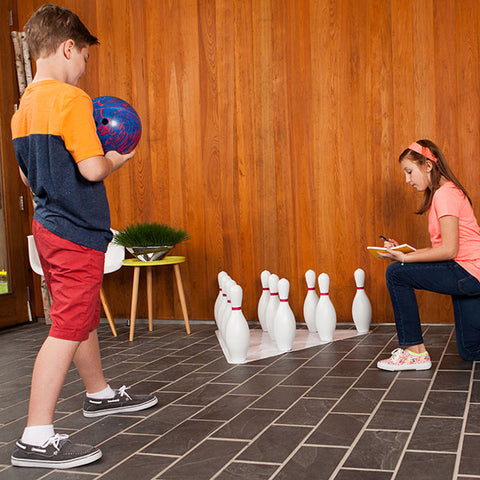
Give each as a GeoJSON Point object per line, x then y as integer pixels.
{"type": "Point", "coordinates": [118, 124]}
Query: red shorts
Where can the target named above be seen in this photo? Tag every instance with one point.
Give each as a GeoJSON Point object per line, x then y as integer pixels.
{"type": "Point", "coordinates": [73, 275]}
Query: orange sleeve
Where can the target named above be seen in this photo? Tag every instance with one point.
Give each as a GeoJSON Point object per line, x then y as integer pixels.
{"type": "Point", "coordinates": [78, 130]}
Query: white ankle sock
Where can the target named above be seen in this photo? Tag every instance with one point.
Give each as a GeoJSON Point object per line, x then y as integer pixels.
{"type": "Point", "coordinates": [37, 435]}
{"type": "Point", "coordinates": [102, 394]}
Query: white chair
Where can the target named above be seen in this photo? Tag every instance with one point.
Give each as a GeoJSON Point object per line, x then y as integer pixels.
{"type": "Point", "coordinates": [114, 257]}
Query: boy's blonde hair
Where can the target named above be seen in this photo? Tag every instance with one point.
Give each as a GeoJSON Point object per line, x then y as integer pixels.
{"type": "Point", "coordinates": [51, 25]}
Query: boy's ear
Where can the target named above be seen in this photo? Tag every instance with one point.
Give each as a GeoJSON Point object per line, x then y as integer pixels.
{"type": "Point", "coordinates": [68, 46]}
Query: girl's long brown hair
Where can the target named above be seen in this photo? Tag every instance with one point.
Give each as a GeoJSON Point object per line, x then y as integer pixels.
{"type": "Point", "coordinates": [440, 169]}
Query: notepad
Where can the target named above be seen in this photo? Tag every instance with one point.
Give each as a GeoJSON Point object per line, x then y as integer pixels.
{"type": "Point", "coordinates": [405, 248]}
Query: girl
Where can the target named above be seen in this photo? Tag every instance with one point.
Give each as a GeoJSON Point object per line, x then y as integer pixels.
{"type": "Point", "coordinates": [450, 266]}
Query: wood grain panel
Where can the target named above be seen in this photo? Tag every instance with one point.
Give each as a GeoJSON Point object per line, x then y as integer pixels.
{"type": "Point", "coordinates": [271, 133]}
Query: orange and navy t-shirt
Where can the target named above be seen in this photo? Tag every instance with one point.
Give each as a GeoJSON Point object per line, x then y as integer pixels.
{"type": "Point", "coordinates": [54, 130]}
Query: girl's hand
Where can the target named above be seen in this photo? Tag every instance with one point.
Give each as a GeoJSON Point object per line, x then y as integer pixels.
{"type": "Point", "coordinates": [390, 243]}
{"type": "Point", "coordinates": [393, 255]}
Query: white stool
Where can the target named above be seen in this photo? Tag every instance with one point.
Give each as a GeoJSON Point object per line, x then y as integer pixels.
{"type": "Point", "coordinates": [114, 257]}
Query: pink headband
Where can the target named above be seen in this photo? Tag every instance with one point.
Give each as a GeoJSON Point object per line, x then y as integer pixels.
{"type": "Point", "coordinates": [425, 151]}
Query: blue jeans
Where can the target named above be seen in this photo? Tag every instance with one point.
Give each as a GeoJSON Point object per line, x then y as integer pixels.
{"type": "Point", "coordinates": [441, 277]}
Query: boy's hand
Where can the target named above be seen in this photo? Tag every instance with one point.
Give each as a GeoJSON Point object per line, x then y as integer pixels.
{"type": "Point", "coordinates": [117, 159]}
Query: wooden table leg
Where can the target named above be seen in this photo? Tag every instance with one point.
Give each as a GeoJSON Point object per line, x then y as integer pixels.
{"type": "Point", "coordinates": [108, 312]}
{"type": "Point", "coordinates": [181, 294]}
{"type": "Point", "coordinates": [133, 310]}
{"type": "Point", "coordinates": [149, 298]}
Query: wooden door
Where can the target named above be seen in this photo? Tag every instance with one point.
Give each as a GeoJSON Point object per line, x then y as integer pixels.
{"type": "Point", "coordinates": [15, 275]}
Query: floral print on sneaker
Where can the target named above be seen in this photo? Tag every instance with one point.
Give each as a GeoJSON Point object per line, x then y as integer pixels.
{"type": "Point", "coordinates": [405, 360]}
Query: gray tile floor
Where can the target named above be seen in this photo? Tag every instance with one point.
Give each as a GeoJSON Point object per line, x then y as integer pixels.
{"type": "Point", "coordinates": [321, 413]}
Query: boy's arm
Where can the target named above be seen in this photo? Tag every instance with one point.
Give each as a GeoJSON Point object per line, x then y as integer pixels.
{"type": "Point", "coordinates": [99, 167]}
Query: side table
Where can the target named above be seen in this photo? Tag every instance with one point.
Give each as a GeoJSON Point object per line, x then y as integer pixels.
{"type": "Point", "coordinates": [137, 265]}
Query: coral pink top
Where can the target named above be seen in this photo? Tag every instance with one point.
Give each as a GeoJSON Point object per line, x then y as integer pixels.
{"type": "Point", "coordinates": [450, 200]}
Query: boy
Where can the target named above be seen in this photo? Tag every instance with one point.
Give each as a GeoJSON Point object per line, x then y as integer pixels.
{"type": "Point", "coordinates": [60, 157]}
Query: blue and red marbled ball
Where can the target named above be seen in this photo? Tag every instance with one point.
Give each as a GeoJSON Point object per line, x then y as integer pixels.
{"type": "Point", "coordinates": [118, 124]}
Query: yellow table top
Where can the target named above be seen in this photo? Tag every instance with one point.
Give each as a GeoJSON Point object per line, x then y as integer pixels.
{"type": "Point", "coordinates": [168, 260]}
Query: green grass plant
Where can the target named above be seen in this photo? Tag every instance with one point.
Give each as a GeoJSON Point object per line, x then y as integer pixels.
{"type": "Point", "coordinates": [149, 235]}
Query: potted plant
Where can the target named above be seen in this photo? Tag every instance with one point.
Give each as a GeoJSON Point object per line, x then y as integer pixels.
{"type": "Point", "coordinates": [149, 241]}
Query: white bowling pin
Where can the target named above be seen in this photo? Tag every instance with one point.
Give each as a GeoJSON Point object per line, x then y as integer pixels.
{"type": "Point", "coordinates": [228, 311]}
{"type": "Point", "coordinates": [237, 333]}
{"type": "Point", "coordinates": [311, 301]}
{"type": "Point", "coordinates": [218, 301]}
{"type": "Point", "coordinates": [325, 315]}
{"type": "Point", "coordinates": [361, 307]}
{"type": "Point", "coordinates": [223, 301]}
{"type": "Point", "coordinates": [264, 298]}
{"type": "Point", "coordinates": [285, 326]}
{"type": "Point", "coordinates": [225, 312]}
{"type": "Point", "coordinates": [272, 305]}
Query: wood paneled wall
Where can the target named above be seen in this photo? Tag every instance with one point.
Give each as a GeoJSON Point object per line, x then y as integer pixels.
{"type": "Point", "coordinates": [271, 132]}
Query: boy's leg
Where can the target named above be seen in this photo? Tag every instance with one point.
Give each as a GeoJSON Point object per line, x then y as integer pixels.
{"type": "Point", "coordinates": [49, 372]}
{"type": "Point", "coordinates": [101, 399]}
{"type": "Point", "coordinates": [51, 451]}
{"type": "Point", "coordinates": [39, 446]}
{"type": "Point", "coordinates": [88, 363]}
